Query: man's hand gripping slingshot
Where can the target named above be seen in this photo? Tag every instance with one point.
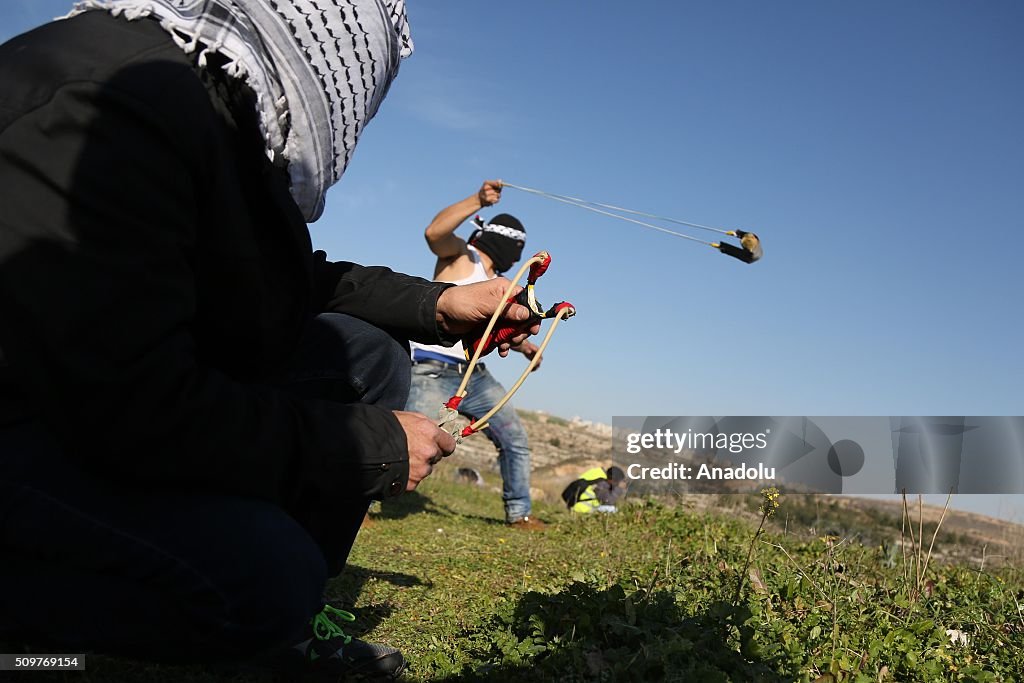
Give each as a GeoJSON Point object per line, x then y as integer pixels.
{"type": "Point", "coordinates": [490, 339]}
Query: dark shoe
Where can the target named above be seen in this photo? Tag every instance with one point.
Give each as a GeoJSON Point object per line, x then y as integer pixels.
{"type": "Point", "coordinates": [330, 654]}
{"type": "Point", "coordinates": [528, 524]}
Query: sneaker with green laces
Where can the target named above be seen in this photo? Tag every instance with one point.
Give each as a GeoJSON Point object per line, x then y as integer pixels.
{"type": "Point", "coordinates": [330, 653]}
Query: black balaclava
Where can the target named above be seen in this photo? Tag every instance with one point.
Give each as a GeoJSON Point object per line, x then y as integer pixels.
{"type": "Point", "coordinates": [502, 239]}
{"type": "Point", "coordinates": [615, 474]}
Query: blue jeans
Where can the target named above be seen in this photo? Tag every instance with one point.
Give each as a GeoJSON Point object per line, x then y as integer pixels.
{"type": "Point", "coordinates": [432, 386]}
{"type": "Point", "coordinates": [88, 563]}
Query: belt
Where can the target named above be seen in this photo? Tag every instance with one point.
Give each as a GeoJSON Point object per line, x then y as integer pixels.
{"type": "Point", "coordinates": [454, 365]}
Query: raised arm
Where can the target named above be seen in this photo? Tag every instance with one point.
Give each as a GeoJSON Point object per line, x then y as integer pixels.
{"type": "Point", "coordinates": [440, 234]}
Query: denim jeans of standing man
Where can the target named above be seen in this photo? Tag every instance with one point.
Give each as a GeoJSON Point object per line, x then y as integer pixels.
{"type": "Point", "coordinates": [88, 564]}
{"type": "Point", "coordinates": [433, 385]}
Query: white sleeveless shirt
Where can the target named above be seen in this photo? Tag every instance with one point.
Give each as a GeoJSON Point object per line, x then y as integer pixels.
{"type": "Point", "coordinates": [455, 353]}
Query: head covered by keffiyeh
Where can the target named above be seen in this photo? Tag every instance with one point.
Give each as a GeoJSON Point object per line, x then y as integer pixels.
{"type": "Point", "coordinates": [319, 68]}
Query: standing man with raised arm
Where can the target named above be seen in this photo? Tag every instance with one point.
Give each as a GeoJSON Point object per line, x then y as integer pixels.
{"type": "Point", "coordinates": [492, 249]}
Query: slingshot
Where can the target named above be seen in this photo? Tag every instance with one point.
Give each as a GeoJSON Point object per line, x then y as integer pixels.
{"type": "Point", "coordinates": [491, 339]}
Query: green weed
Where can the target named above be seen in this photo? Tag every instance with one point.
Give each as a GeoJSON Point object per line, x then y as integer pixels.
{"type": "Point", "coordinates": [650, 593]}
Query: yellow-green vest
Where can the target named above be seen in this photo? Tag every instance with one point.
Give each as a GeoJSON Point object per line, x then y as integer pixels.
{"type": "Point", "coordinates": [588, 501]}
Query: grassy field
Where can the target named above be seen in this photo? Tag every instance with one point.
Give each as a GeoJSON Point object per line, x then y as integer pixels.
{"type": "Point", "coordinates": [652, 593]}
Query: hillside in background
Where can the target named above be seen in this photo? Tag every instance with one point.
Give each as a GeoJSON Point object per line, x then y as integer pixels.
{"type": "Point", "coordinates": [563, 448]}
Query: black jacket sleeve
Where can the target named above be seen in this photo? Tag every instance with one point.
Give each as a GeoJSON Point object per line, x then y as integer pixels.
{"type": "Point", "coordinates": [101, 205]}
{"type": "Point", "coordinates": [401, 304]}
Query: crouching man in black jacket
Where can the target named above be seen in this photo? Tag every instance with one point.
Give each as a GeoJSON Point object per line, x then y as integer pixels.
{"type": "Point", "coordinates": [196, 408]}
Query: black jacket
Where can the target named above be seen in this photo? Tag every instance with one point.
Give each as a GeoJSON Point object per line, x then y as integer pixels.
{"type": "Point", "coordinates": [155, 272]}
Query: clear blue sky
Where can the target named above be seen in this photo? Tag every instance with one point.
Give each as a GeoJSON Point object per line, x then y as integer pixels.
{"type": "Point", "coordinates": [876, 147]}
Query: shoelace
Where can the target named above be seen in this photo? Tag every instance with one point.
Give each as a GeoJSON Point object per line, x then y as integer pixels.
{"type": "Point", "coordinates": [324, 628]}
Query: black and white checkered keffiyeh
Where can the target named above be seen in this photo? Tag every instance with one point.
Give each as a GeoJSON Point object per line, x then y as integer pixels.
{"type": "Point", "coordinates": [319, 68]}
